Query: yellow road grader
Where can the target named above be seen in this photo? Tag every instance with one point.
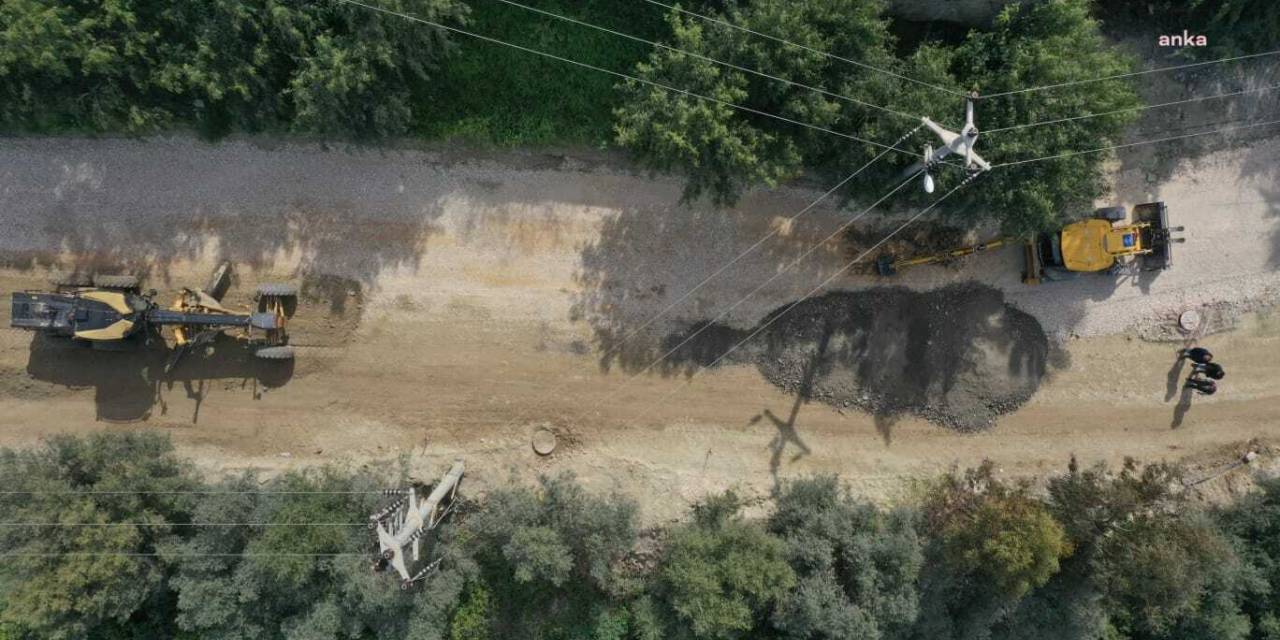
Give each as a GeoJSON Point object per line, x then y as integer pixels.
{"type": "Point", "coordinates": [110, 312]}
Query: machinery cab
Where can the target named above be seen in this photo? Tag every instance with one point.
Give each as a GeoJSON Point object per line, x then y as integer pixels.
{"type": "Point", "coordinates": [90, 314]}
{"type": "Point", "coordinates": [1107, 242]}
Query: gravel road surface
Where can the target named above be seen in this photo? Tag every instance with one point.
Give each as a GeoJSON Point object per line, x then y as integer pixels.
{"type": "Point", "coordinates": [456, 302]}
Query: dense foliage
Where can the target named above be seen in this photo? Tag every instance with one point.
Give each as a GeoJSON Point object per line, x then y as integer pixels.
{"type": "Point", "coordinates": [342, 70]}
{"type": "Point", "coordinates": [1117, 555]}
{"type": "Point", "coordinates": [222, 66]}
{"type": "Point", "coordinates": [1232, 27]}
{"type": "Point", "coordinates": [139, 65]}
{"type": "Point", "coordinates": [726, 150]}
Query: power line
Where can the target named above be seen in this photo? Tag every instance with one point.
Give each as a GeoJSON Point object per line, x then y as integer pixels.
{"type": "Point", "coordinates": [1141, 108]}
{"type": "Point", "coordinates": [751, 248]}
{"type": "Point", "coordinates": [773, 277]}
{"type": "Point", "coordinates": [1135, 144]}
{"type": "Point", "coordinates": [1123, 75]}
{"type": "Point", "coordinates": [619, 74]}
{"type": "Point", "coordinates": [184, 493]}
{"type": "Point", "coordinates": [806, 48]}
{"type": "Point", "coordinates": [712, 60]}
{"type": "Point", "coordinates": [777, 316]}
{"type": "Point", "coordinates": [128, 554]}
{"type": "Point", "coordinates": [184, 524]}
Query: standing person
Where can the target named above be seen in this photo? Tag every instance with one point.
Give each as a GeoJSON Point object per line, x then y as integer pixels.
{"type": "Point", "coordinates": [1211, 370]}
{"type": "Point", "coordinates": [1206, 387]}
{"type": "Point", "coordinates": [1198, 355]}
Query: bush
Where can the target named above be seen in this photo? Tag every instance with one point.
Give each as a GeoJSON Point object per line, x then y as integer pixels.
{"type": "Point", "coordinates": [720, 575]}
{"type": "Point", "coordinates": [857, 566]}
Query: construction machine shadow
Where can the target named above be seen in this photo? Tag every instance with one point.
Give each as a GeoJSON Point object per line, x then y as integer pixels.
{"type": "Point", "coordinates": [104, 332]}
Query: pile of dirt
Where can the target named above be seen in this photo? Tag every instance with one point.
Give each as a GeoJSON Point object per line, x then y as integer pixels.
{"type": "Point", "coordinates": [959, 356]}
{"type": "Point", "coordinates": [914, 241]}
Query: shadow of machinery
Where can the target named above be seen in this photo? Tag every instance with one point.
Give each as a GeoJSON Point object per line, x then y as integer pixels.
{"type": "Point", "coordinates": [131, 382]}
{"type": "Point", "coordinates": [959, 356]}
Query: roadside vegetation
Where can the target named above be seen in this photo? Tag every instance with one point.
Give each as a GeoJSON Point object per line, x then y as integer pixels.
{"type": "Point", "coordinates": [1115, 554]}
{"type": "Point", "coordinates": [726, 151]}
{"type": "Point", "coordinates": [339, 70]}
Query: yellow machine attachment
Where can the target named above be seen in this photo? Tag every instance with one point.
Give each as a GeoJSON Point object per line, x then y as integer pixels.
{"type": "Point", "coordinates": [887, 265]}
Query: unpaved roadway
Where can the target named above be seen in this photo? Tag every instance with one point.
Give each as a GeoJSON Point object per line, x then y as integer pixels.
{"type": "Point", "coordinates": [454, 302]}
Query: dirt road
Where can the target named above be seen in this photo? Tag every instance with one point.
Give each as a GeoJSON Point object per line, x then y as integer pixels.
{"type": "Point", "coordinates": [454, 303]}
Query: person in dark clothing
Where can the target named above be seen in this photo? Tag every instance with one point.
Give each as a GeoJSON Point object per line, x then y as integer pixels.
{"type": "Point", "coordinates": [1206, 387]}
{"type": "Point", "coordinates": [1198, 355]}
{"type": "Point", "coordinates": [1211, 370]}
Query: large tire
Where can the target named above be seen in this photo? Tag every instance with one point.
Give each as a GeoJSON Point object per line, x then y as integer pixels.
{"type": "Point", "coordinates": [71, 280]}
{"type": "Point", "coordinates": [1111, 214]}
{"type": "Point", "coordinates": [287, 294]}
{"type": "Point", "coordinates": [277, 289]}
{"type": "Point", "coordinates": [275, 353]}
{"type": "Point", "coordinates": [115, 282]}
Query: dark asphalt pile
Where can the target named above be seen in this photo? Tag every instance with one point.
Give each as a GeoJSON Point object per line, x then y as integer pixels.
{"type": "Point", "coordinates": [958, 356]}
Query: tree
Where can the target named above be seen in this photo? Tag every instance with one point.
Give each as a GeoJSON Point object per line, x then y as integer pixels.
{"type": "Point", "coordinates": [133, 65]}
{"type": "Point", "coordinates": [293, 579]}
{"type": "Point", "coordinates": [998, 532]}
{"type": "Point", "coordinates": [721, 575]}
{"type": "Point", "coordinates": [1090, 504]}
{"type": "Point", "coordinates": [1173, 576]}
{"type": "Point", "coordinates": [549, 556]}
{"type": "Point", "coordinates": [724, 151]}
{"type": "Point", "coordinates": [1034, 45]}
{"type": "Point", "coordinates": [108, 579]}
{"type": "Point", "coordinates": [857, 566]}
{"type": "Point", "coordinates": [990, 544]}
{"type": "Point", "coordinates": [1254, 522]}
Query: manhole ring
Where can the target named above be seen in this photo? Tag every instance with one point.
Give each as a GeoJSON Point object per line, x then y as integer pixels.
{"type": "Point", "coordinates": [1189, 320]}
{"type": "Point", "coordinates": [544, 442]}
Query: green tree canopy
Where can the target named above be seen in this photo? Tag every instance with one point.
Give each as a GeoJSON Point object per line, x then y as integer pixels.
{"type": "Point", "coordinates": [550, 558]}
{"type": "Point", "coordinates": [724, 151]}
{"type": "Point", "coordinates": [721, 575]}
{"type": "Point", "coordinates": [1255, 523]}
{"type": "Point", "coordinates": [108, 579]}
{"type": "Point", "coordinates": [1174, 576]}
{"type": "Point", "coordinates": [137, 65]}
{"type": "Point", "coordinates": [297, 579]}
{"type": "Point", "coordinates": [857, 566]}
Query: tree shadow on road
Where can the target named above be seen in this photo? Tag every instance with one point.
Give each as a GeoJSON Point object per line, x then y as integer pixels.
{"type": "Point", "coordinates": [676, 262]}
{"type": "Point", "coordinates": [958, 356]}
{"type": "Point", "coordinates": [254, 212]}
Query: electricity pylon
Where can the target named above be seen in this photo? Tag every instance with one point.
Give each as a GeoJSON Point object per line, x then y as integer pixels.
{"type": "Point", "coordinates": [961, 143]}
{"type": "Point", "coordinates": [402, 524]}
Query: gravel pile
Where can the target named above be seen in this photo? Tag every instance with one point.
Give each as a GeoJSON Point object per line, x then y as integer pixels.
{"type": "Point", "coordinates": [958, 356]}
